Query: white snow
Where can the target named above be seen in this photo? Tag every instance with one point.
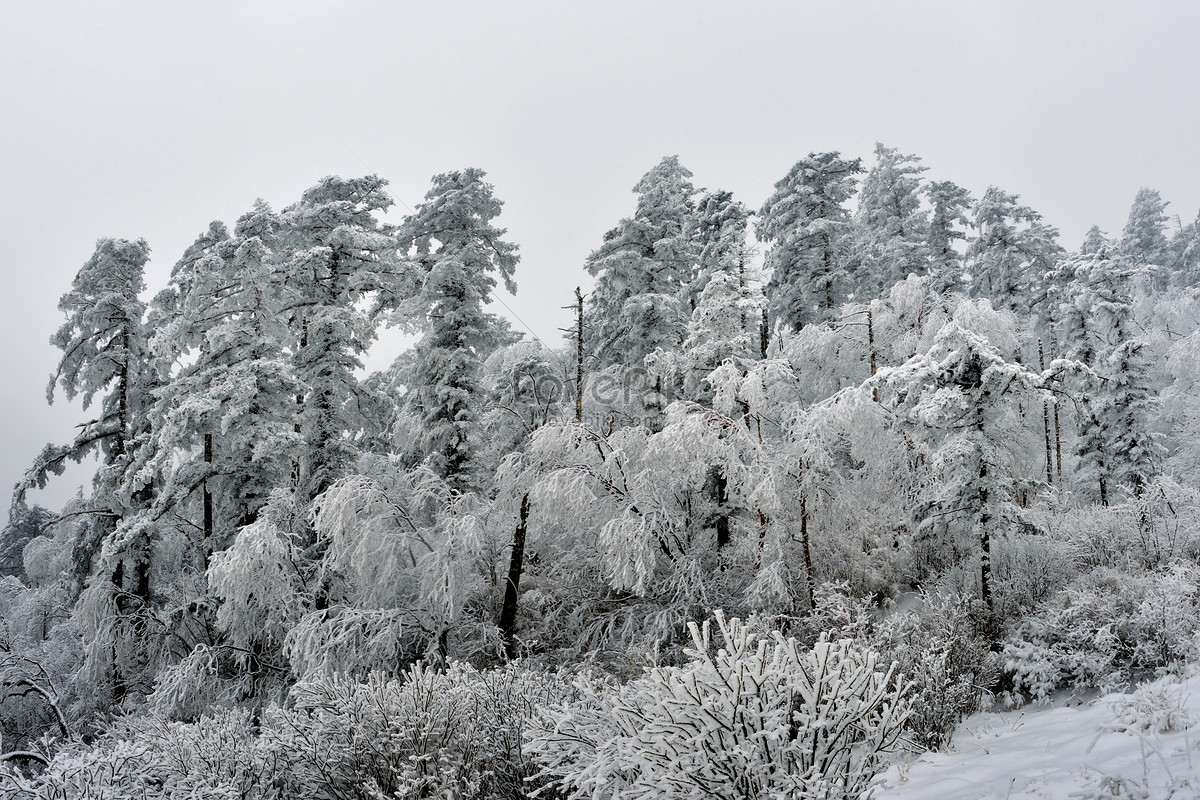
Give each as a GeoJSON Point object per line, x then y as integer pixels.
{"type": "Point", "coordinates": [1136, 745]}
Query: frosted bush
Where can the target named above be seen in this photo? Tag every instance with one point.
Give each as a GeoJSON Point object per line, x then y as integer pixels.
{"type": "Point", "coordinates": [941, 649]}
{"type": "Point", "coordinates": [1160, 528]}
{"type": "Point", "coordinates": [1104, 630]}
{"type": "Point", "coordinates": [760, 717]}
{"type": "Point", "coordinates": [451, 734]}
{"type": "Point", "coordinates": [1154, 708]}
{"type": "Point", "coordinates": [1028, 570]}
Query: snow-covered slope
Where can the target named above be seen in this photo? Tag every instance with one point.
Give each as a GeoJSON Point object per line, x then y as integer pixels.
{"type": "Point", "coordinates": [1137, 745]}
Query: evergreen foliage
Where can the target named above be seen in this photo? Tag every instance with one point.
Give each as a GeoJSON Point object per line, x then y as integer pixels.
{"type": "Point", "coordinates": [805, 222]}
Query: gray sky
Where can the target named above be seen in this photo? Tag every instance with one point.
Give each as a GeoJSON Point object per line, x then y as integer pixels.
{"type": "Point", "coordinates": [150, 119]}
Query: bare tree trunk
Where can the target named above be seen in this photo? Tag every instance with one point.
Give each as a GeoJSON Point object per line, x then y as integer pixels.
{"type": "Point", "coordinates": [208, 498]}
{"type": "Point", "coordinates": [516, 564]}
{"type": "Point", "coordinates": [871, 351]}
{"type": "Point", "coordinates": [720, 492]}
{"type": "Point", "coordinates": [578, 356]}
{"type": "Point", "coordinates": [810, 579]}
{"type": "Point", "coordinates": [1046, 420]}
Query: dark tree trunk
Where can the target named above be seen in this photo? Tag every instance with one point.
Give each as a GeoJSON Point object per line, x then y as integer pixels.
{"type": "Point", "coordinates": [985, 535]}
{"type": "Point", "coordinates": [578, 356]}
{"type": "Point", "coordinates": [764, 334]}
{"type": "Point", "coordinates": [871, 351]}
{"type": "Point", "coordinates": [809, 579]}
{"type": "Point", "coordinates": [720, 493]}
{"type": "Point", "coordinates": [1046, 420]}
{"type": "Point", "coordinates": [516, 564]}
{"type": "Point", "coordinates": [208, 497]}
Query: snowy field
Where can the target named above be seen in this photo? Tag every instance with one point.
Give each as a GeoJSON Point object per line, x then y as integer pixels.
{"type": "Point", "coordinates": [1137, 745]}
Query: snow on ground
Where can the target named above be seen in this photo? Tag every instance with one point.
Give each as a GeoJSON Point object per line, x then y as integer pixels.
{"type": "Point", "coordinates": [1145, 744]}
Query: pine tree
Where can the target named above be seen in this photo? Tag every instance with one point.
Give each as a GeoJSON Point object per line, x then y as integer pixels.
{"type": "Point", "coordinates": [1094, 321]}
{"type": "Point", "coordinates": [642, 271]}
{"type": "Point", "coordinates": [947, 225]}
{"type": "Point", "coordinates": [637, 314]}
{"type": "Point", "coordinates": [953, 399]}
{"type": "Point", "coordinates": [104, 344]}
{"type": "Point", "coordinates": [721, 228]}
{"type": "Point", "coordinates": [1184, 254]}
{"type": "Point", "coordinates": [1010, 252]}
{"type": "Point", "coordinates": [224, 422]}
{"type": "Point", "coordinates": [890, 230]}
{"type": "Point", "coordinates": [338, 268]}
{"type": "Point", "coordinates": [805, 224]}
{"type": "Point", "coordinates": [1124, 401]}
{"type": "Point", "coordinates": [457, 255]}
{"type": "Point", "coordinates": [1093, 241]}
{"type": "Point", "coordinates": [1144, 239]}
{"type": "Point", "coordinates": [726, 314]}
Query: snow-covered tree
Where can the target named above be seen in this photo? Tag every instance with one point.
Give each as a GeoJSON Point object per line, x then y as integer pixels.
{"type": "Point", "coordinates": [337, 264]}
{"type": "Point", "coordinates": [224, 420]}
{"type": "Point", "coordinates": [1144, 239]}
{"type": "Point", "coordinates": [1094, 318]}
{"type": "Point", "coordinates": [1009, 251]}
{"type": "Point", "coordinates": [728, 306]}
{"type": "Point", "coordinates": [890, 230]}
{"type": "Point", "coordinates": [457, 254]}
{"type": "Point", "coordinates": [526, 387]}
{"type": "Point", "coordinates": [104, 352]}
{"type": "Point", "coordinates": [642, 270]}
{"type": "Point", "coordinates": [957, 400]}
{"type": "Point", "coordinates": [721, 228]}
{"type": "Point", "coordinates": [1185, 254]}
{"type": "Point", "coordinates": [947, 225]}
{"type": "Point", "coordinates": [805, 223]}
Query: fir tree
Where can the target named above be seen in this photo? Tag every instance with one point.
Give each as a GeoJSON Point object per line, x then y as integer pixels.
{"type": "Point", "coordinates": [1184, 254]}
{"type": "Point", "coordinates": [1010, 252]}
{"type": "Point", "coordinates": [1144, 239]}
{"type": "Point", "coordinates": [224, 422]}
{"type": "Point", "coordinates": [947, 225]}
{"type": "Point", "coordinates": [890, 229]}
{"type": "Point", "coordinates": [805, 223]}
{"type": "Point", "coordinates": [642, 270]}
{"type": "Point", "coordinates": [457, 255]}
{"type": "Point", "coordinates": [954, 400]}
{"type": "Point", "coordinates": [335, 257]}
{"type": "Point", "coordinates": [721, 228]}
{"type": "Point", "coordinates": [1094, 320]}
{"type": "Point", "coordinates": [104, 344]}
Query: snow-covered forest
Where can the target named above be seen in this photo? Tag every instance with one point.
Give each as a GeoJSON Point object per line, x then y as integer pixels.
{"type": "Point", "coordinates": [809, 479]}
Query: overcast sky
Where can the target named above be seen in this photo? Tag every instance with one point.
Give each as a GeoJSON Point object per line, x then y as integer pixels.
{"type": "Point", "coordinates": [150, 119]}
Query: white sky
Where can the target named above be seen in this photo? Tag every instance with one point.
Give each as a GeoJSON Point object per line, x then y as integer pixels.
{"type": "Point", "coordinates": [150, 119]}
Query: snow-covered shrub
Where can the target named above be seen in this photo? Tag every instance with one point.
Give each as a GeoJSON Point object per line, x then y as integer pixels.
{"type": "Point", "coordinates": [449, 734]}
{"type": "Point", "coordinates": [1106, 629]}
{"type": "Point", "coordinates": [1154, 708]}
{"type": "Point", "coordinates": [760, 717]}
{"type": "Point", "coordinates": [113, 770]}
{"type": "Point", "coordinates": [940, 648]}
{"type": "Point", "coordinates": [223, 755]}
{"type": "Point", "coordinates": [216, 758]}
{"type": "Point", "coordinates": [837, 613]}
{"type": "Point", "coordinates": [1157, 529]}
{"type": "Point", "coordinates": [1029, 568]}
